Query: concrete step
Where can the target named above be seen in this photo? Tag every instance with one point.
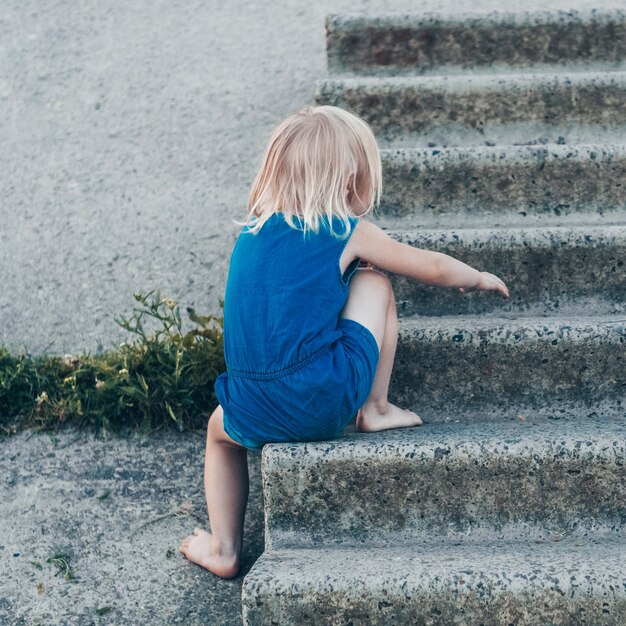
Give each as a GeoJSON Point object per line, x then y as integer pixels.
{"type": "Point", "coordinates": [558, 269]}
{"type": "Point", "coordinates": [487, 367]}
{"type": "Point", "coordinates": [474, 481]}
{"type": "Point", "coordinates": [586, 107]}
{"type": "Point", "coordinates": [561, 583]}
{"type": "Point", "coordinates": [448, 42]}
{"type": "Point", "coordinates": [487, 184]}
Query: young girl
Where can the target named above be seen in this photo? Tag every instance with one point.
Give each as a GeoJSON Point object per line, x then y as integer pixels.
{"type": "Point", "coordinates": [309, 336]}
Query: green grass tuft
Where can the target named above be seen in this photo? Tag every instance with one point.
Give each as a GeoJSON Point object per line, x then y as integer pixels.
{"type": "Point", "coordinates": [162, 378]}
{"type": "Point", "coordinates": [62, 561]}
{"type": "Point", "coordinates": [104, 610]}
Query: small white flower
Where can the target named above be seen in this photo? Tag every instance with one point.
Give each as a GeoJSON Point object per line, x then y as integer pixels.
{"type": "Point", "coordinates": [71, 361]}
{"type": "Point", "coordinates": [42, 397]}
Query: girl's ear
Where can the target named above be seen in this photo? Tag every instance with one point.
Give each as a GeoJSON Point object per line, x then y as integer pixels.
{"type": "Point", "coordinates": [350, 188]}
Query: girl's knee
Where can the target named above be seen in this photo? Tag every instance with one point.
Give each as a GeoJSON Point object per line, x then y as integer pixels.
{"type": "Point", "coordinates": [372, 279]}
{"type": "Point", "coordinates": [369, 300]}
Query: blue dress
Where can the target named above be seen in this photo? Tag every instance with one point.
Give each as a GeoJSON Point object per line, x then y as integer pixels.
{"type": "Point", "coordinates": [295, 370]}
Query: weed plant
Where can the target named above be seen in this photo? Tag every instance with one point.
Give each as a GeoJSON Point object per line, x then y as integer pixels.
{"type": "Point", "coordinates": [160, 378]}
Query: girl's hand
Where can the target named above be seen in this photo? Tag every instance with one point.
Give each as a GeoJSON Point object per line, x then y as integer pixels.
{"type": "Point", "coordinates": [488, 282]}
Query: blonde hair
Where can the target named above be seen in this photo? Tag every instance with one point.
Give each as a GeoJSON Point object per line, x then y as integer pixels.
{"type": "Point", "coordinates": [308, 163]}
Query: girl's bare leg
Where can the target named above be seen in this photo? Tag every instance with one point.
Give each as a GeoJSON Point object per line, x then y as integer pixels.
{"type": "Point", "coordinates": [372, 303]}
{"type": "Point", "coordinates": [226, 487]}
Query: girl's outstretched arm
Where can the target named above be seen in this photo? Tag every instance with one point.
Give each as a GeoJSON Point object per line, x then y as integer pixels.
{"type": "Point", "coordinates": [372, 244]}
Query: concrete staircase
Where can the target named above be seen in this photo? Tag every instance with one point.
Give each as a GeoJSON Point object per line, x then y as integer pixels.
{"type": "Point", "coordinates": [503, 139]}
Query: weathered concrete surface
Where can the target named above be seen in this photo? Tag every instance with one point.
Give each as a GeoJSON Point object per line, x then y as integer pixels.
{"type": "Point", "coordinates": [559, 270]}
{"type": "Point", "coordinates": [448, 502]}
{"type": "Point", "coordinates": [451, 41]}
{"type": "Point", "coordinates": [485, 109]}
{"type": "Point", "coordinates": [484, 366]}
{"type": "Point", "coordinates": [131, 133]}
{"type": "Point", "coordinates": [119, 508]}
{"type": "Point", "coordinates": [560, 583]}
{"type": "Point", "coordinates": [507, 480]}
{"type": "Point", "coordinates": [507, 184]}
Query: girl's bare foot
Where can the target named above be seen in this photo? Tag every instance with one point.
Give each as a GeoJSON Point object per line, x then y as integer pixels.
{"type": "Point", "coordinates": [373, 417]}
{"type": "Point", "coordinates": [200, 548]}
